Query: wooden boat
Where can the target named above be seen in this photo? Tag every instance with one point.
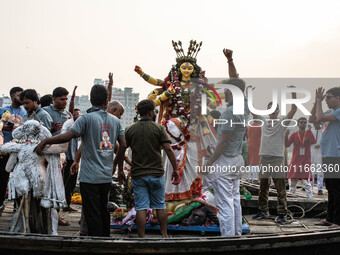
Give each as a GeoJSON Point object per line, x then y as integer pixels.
{"type": "Point", "coordinates": [301, 236]}
{"type": "Point", "coordinates": [303, 243]}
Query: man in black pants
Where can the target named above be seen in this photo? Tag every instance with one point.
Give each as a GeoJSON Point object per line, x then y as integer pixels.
{"type": "Point", "coordinates": [330, 148]}
{"type": "Point", "coordinates": [70, 178]}
{"type": "Point", "coordinates": [99, 132]}
{"type": "Point", "coordinates": [3, 181]}
{"type": "Point", "coordinates": [18, 110]}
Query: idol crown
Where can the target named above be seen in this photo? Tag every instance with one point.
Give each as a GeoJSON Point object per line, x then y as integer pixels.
{"type": "Point", "coordinates": [193, 49]}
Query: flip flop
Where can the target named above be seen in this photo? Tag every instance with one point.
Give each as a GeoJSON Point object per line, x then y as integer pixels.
{"type": "Point", "coordinates": [323, 223]}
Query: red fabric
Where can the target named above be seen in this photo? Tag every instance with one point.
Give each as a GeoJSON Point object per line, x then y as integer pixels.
{"type": "Point", "coordinates": [295, 171]}
{"type": "Point", "coordinates": [253, 143]}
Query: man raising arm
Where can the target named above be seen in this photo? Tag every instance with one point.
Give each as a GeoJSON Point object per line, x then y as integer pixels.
{"type": "Point", "coordinates": [99, 131]}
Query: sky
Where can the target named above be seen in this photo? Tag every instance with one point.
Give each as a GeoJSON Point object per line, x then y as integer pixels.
{"type": "Point", "coordinates": [50, 43]}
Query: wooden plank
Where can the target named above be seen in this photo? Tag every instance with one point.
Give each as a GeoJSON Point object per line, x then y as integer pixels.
{"type": "Point", "coordinates": [256, 226]}
{"type": "Point", "coordinates": [254, 189]}
{"type": "Point", "coordinates": [305, 203]}
{"type": "Point", "coordinates": [263, 222]}
{"type": "Point", "coordinates": [269, 226]}
{"type": "Point", "coordinates": [265, 230]}
{"type": "Point", "coordinates": [293, 230]}
{"type": "Point", "coordinates": [292, 226]}
{"type": "Point", "coordinates": [300, 225]}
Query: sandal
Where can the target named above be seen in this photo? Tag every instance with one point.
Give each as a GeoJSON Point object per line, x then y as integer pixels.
{"type": "Point", "coordinates": [62, 222]}
{"type": "Point", "coordinates": [323, 223]}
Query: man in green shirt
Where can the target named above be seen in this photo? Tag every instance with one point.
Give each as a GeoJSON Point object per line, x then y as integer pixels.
{"type": "Point", "coordinates": [146, 139]}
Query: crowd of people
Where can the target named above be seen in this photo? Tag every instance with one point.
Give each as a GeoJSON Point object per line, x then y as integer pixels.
{"type": "Point", "coordinates": [101, 134]}
{"type": "Point", "coordinates": [98, 138]}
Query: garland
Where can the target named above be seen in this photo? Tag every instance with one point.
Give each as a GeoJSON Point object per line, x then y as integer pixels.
{"type": "Point", "coordinates": [178, 139]}
{"type": "Point", "coordinates": [182, 100]}
{"type": "Point", "coordinates": [26, 141]}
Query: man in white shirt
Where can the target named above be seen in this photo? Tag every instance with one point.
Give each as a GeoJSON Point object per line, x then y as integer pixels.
{"type": "Point", "coordinates": [272, 152]}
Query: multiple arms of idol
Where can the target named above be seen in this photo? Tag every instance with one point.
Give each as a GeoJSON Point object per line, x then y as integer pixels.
{"type": "Point", "coordinates": [158, 95]}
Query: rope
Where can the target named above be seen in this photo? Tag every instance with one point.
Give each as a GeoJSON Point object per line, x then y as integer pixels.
{"type": "Point", "coordinates": [310, 209]}
{"type": "Point", "coordinates": [292, 215]}
{"type": "Point", "coordinates": [303, 211]}
{"type": "Point", "coordinates": [321, 215]}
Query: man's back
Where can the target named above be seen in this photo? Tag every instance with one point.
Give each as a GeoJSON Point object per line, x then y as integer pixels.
{"type": "Point", "coordinates": [99, 131]}
{"type": "Point", "coordinates": [235, 124]}
{"type": "Point", "coordinates": [272, 137]}
{"type": "Point", "coordinates": [145, 139]}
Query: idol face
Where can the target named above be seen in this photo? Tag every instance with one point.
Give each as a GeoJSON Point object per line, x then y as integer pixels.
{"type": "Point", "coordinates": [186, 69]}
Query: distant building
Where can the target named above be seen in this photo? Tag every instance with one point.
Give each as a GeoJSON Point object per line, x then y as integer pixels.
{"type": "Point", "coordinates": [98, 82]}
{"type": "Point", "coordinates": [76, 100]}
{"type": "Point", "coordinates": [129, 99]}
{"type": "Point", "coordinates": [126, 97]}
{"type": "Point", "coordinates": [5, 101]}
{"type": "Point", "coordinates": [118, 94]}
{"type": "Point", "coordinates": [82, 103]}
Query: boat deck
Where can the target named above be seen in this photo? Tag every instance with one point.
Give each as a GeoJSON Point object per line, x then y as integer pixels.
{"type": "Point", "coordinates": [265, 226]}
{"type": "Point", "coordinates": [266, 237]}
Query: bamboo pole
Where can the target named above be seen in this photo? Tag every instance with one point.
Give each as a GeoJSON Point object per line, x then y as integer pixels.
{"type": "Point", "coordinates": [27, 213]}
{"type": "Point", "coordinates": [18, 215]}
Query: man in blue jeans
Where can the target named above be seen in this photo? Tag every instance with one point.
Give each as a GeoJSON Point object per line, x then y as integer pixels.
{"type": "Point", "coordinates": [146, 139]}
